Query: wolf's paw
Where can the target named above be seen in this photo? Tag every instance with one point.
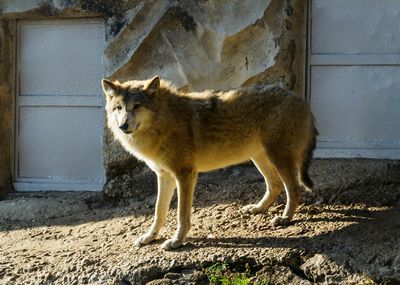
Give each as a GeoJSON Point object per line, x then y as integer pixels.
{"type": "Point", "coordinates": [253, 209]}
{"type": "Point", "coordinates": [171, 244]}
{"type": "Point", "coordinates": [280, 221]}
{"type": "Point", "coordinates": [145, 239]}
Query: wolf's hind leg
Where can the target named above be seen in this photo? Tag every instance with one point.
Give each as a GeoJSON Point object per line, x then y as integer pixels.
{"type": "Point", "coordinates": [287, 171]}
{"type": "Point", "coordinates": [166, 187]}
{"type": "Point", "coordinates": [273, 184]}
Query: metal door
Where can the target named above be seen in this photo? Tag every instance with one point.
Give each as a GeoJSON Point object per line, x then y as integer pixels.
{"type": "Point", "coordinates": [354, 77]}
{"type": "Point", "coordinates": [59, 118]}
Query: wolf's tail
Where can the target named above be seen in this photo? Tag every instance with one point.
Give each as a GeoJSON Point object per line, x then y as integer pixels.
{"type": "Point", "coordinates": [303, 173]}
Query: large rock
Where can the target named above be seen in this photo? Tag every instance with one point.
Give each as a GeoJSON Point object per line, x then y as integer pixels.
{"type": "Point", "coordinates": [30, 208]}
{"type": "Point", "coordinates": [209, 44]}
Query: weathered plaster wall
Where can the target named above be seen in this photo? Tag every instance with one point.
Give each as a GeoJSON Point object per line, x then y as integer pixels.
{"type": "Point", "coordinates": [197, 44]}
{"type": "Point", "coordinates": [6, 102]}
{"type": "Point", "coordinates": [211, 44]}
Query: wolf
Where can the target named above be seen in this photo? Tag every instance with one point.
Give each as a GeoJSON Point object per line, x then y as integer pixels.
{"type": "Point", "coordinates": [179, 135]}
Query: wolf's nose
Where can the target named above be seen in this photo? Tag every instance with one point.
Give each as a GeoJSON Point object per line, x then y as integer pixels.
{"type": "Point", "coordinates": [124, 127]}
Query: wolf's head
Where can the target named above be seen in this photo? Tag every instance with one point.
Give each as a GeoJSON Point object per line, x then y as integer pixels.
{"type": "Point", "coordinates": [129, 105]}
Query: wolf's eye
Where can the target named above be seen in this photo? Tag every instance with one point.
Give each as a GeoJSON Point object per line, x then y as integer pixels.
{"type": "Point", "coordinates": [119, 108]}
{"type": "Point", "coordinates": [136, 106]}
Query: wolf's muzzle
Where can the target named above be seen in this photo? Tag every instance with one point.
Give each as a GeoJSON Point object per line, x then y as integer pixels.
{"type": "Point", "coordinates": [124, 127]}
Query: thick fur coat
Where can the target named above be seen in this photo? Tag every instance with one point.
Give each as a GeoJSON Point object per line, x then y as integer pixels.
{"type": "Point", "coordinates": [181, 134]}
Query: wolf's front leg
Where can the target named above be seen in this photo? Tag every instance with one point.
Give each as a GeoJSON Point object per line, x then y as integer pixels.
{"type": "Point", "coordinates": [166, 187]}
{"type": "Point", "coordinates": [186, 182]}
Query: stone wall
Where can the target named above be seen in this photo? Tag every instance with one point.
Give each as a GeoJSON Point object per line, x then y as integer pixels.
{"type": "Point", "coordinates": [197, 44]}
{"type": "Point", "coordinates": [6, 103]}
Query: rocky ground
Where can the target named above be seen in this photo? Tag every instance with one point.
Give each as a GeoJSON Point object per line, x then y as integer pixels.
{"type": "Point", "coordinates": [345, 235]}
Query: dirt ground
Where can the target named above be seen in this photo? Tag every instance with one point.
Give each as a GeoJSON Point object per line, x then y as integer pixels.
{"type": "Point", "coordinates": [346, 237]}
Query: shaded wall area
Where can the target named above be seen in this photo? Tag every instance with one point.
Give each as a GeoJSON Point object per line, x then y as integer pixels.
{"type": "Point", "coordinates": [197, 44]}
{"type": "Point", "coordinates": [6, 114]}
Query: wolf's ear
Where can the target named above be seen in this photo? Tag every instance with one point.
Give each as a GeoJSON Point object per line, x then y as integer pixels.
{"type": "Point", "coordinates": [109, 88]}
{"type": "Point", "coordinates": [153, 86]}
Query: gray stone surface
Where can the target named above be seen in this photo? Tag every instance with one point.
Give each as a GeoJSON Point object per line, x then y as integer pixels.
{"type": "Point", "coordinates": [321, 270]}
{"type": "Point", "coordinates": [31, 207]}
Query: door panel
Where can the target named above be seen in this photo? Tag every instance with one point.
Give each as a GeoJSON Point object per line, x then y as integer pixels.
{"type": "Point", "coordinates": [355, 26]}
{"type": "Point", "coordinates": [61, 58]}
{"type": "Point", "coordinates": [353, 77]}
{"type": "Point", "coordinates": [59, 114]}
{"type": "Point", "coordinates": [60, 142]}
{"type": "Point", "coordinates": [357, 104]}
